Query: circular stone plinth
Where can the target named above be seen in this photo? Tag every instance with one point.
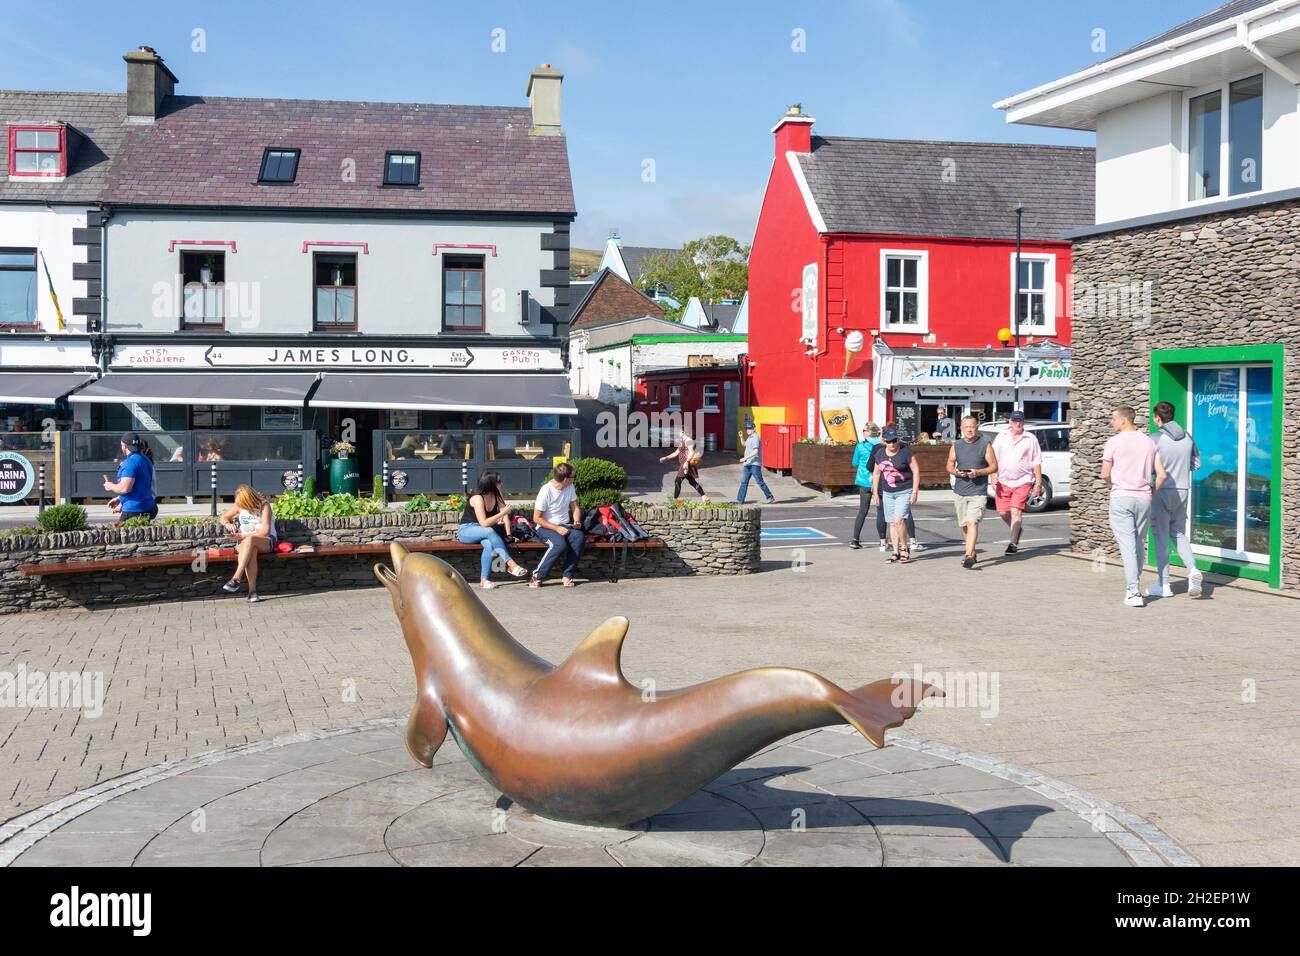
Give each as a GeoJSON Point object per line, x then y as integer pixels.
{"type": "Point", "coordinates": [355, 798]}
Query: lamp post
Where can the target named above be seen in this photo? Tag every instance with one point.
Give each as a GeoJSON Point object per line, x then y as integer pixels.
{"type": "Point", "coordinates": [1015, 298]}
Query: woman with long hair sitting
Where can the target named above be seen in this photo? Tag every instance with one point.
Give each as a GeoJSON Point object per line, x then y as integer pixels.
{"type": "Point", "coordinates": [251, 520]}
{"type": "Point", "coordinates": [486, 521]}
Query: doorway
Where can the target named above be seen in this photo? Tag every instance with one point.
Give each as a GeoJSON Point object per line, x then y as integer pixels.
{"type": "Point", "coordinates": [361, 423]}
{"type": "Point", "coordinates": [928, 413]}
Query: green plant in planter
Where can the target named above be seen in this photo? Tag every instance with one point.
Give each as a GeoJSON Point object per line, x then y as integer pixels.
{"type": "Point", "coordinates": [309, 486]}
{"type": "Point", "coordinates": [695, 503]}
{"type": "Point", "coordinates": [377, 489]}
{"type": "Point", "coordinates": [138, 521]}
{"type": "Point", "coordinates": [296, 504]}
{"type": "Point", "coordinates": [67, 517]}
{"type": "Point", "coordinates": [417, 504]}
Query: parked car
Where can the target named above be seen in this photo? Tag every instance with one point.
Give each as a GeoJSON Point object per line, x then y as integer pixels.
{"type": "Point", "coordinates": [1054, 439]}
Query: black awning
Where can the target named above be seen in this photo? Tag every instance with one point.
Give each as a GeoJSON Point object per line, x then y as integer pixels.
{"type": "Point", "coordinates": [535, 394]}
{"type": "Point", "coordinates": [199, 388]}
{"type": "Point", "coordinates": [40, 388]}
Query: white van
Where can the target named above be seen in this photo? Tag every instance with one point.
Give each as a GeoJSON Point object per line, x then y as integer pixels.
{"type": "Point", "coordinates": [1054, 439]}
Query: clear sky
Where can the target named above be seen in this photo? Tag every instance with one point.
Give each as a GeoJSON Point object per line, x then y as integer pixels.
{"type": "Point", "coordinates": [693, 86]}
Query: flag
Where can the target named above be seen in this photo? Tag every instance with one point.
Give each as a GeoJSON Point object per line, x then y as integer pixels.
{"type": "Point", "coordinates": [53, 296]}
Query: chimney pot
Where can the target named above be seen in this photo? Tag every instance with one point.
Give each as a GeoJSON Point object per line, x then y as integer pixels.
{"type": "Point", "coordinates": [793, 131]}
{"type": "Point", "coordinates": [148, 83]}
{"type": "Point", "coordinates": [543, 94]}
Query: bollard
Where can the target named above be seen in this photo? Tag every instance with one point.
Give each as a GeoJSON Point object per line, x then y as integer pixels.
{"type": "Point", "coordinates": [214, 489]}
{"type": "Point", "coordinates": [40, 494]}
{"type": "Point", "coordinates": [464, 477]}
{"type": "Point", "coordinates": [299, 476]}
{"type": "Point", "coordinates": [385, 484]}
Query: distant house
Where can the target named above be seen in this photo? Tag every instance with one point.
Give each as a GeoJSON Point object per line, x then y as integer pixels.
{"type": "Point", "coordinates": [607, 363]}
{"type": "Point", "coordinates": [628, 262]}
{"type": "Point", "coordinates": [611, 298]}
{"type": "Point", "coordinates": [713, 316]}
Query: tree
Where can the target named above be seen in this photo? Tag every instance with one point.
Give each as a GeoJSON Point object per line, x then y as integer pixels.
{"type": "Point", "coordinates": [713, 268]}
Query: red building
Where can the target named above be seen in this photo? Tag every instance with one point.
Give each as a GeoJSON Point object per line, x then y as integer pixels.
{"type": "Point", "coordinates": [703, 393]}
{"type": "Point", "coordinates": [912, 245]}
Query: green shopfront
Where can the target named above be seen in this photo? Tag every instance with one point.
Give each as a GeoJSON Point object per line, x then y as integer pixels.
{"type": "Point", "coordinates": [1230, 399]}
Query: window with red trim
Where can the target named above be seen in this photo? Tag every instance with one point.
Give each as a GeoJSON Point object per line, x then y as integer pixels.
{"type": "Point", "coordinates": [39, 151]}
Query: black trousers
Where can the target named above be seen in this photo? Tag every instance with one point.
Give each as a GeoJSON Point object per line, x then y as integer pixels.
{"type": "Point", "coordinates": [864, 506]}
{"type": "Point", "coordinates": [690, 479]}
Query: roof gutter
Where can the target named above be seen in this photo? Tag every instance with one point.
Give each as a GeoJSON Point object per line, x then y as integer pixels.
{"type": "Point", "coordinates": [1277, 66]}
{"type": "Point", "coordinates": [1241, 25]}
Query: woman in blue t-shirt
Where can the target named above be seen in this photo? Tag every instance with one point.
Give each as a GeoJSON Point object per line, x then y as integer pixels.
{"type": "Point", "coordinates": [134, 484]}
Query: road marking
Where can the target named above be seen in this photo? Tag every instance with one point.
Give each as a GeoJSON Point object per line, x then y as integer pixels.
{"type": "Point", "coordinates": [769, 534]}
{"type": "Point", "coordinates": [791, 547]}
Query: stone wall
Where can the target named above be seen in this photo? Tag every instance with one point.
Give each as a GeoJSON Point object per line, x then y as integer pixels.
{"type": "Point", "coordinates": [1221, 279]}
{"type": "Point", "coordinates": [697, 541]}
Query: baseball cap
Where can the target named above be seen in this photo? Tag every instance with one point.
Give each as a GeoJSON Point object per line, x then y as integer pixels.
{"type": "Point", "coordinates": [131, 440]}
{"type": "Point", "coordinates": [1016, 416]}
{"type": "Point", "coordinates": [890, 434]}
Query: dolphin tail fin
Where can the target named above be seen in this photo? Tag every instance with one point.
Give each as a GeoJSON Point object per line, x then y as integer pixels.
{"type": "Point", "coordinates": [426, 729]}
{"type": "Point", "coordinates": [874, 708]}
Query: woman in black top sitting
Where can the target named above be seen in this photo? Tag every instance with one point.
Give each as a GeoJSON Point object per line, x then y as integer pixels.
{"type": "Point", "coordinates": [486, 521]}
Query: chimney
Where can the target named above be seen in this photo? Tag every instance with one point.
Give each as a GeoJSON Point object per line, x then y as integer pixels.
{"type": "Point", "coordinates": [793, 132]}
{"type": "Point", "coordinates": [147, 81]}
{"type": "Point", "coordinates": [544, 99]}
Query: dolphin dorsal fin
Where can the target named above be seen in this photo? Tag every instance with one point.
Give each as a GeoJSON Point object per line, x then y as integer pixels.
{"type": "Point", "coordinates": [596, 659]}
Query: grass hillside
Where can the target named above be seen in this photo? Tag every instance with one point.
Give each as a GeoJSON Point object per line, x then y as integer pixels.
{"type": "Point", "coordinates": [580, 259]}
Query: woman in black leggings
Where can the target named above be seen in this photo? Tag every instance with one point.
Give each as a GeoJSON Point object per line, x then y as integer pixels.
{"type": "Point", "coordinates": [864, 461]}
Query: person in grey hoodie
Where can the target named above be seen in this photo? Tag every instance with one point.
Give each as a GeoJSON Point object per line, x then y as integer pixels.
{"type": "Point", "coordinates": [1169, 508]}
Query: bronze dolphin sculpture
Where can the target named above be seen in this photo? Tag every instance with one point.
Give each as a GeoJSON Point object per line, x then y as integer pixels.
{"type": "Point", "coordinates": [578, 742]}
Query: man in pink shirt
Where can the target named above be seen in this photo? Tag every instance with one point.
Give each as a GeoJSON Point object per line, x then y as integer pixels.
{"type": "Point", "coordinates": [1020, 472]}
{"type": "Point", "coordinates": [1126, 464]}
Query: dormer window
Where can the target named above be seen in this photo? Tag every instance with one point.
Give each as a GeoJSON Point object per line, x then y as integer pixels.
{"type": "Point", "coordinates": [401, 169]}
{"type": "Point", "coordinates": [38, 151]}
{"type": "Point", "coordinates": [279, 165]}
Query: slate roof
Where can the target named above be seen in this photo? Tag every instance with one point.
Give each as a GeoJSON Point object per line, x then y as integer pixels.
{"type": "Point", "coordinates": [610, 299]}
{"type": "Point", "coordinates": [100, 118]}
{"type": "Point", "coordinates": [634, 256]}
{"type": "Point", "coordinates": [721, 314]}
{"type": "Point", "coordinates": [899, 187]}
{"type": "Point", "coordinates": [207, 151]}
{"type": "Point", "coordinates": [1221, 14]}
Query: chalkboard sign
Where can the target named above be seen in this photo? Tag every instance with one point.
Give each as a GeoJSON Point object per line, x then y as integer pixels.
{"type": "Point", "coordinates": [907, 414]}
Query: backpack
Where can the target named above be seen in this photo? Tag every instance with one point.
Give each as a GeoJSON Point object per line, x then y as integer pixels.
{"type": "Point", "coordinates": [620, 526]}
{"type": "Point", "coordinates": [521, 529]}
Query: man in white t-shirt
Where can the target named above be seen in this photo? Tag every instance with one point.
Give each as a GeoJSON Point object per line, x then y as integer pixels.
{"type": "Point", "coordinates": [559, 523]}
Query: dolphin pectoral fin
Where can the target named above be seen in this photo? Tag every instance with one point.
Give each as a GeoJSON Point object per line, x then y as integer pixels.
{"type": "Point", "coordinates": [874, 708]}
{"type": "Point", "coordinates": [597, 659]}
{"type": "Point", "coordinates": [426, 729]}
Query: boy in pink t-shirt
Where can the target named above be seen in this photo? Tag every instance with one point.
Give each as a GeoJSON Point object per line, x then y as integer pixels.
{"type": "Point", "coordinates": [1127, 463]}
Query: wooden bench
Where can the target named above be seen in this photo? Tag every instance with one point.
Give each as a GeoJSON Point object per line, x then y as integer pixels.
{"type": "Point", "coordinates": [50, 569]}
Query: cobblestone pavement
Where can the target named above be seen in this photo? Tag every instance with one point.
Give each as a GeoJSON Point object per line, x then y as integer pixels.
{"type": "Point", "coordinates": [1184, 712]}
{"type": "Point", "coordinates": [825, 798]}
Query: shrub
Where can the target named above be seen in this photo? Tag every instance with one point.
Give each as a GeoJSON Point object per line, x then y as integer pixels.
{"type": "Point", "coordinates": [67, 517]}
{"type": "Point", "coordinates": [377, 490]}
{"type": "Point", "coordinates": [598, 482]}
{"type": "Point", "coordinates": [309, 486]}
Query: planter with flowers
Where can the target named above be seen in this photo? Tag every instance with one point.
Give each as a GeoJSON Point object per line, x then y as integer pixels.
{"type": "Point", "coordinates": [345, 470]}
{"type": "Point", "coordinates": [823, 463]}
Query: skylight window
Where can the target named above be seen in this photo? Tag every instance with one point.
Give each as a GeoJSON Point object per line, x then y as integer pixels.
{"type": "Point", "coordinates": [401, 169]}
{"type": "Point", "coordinates": [279, 165]}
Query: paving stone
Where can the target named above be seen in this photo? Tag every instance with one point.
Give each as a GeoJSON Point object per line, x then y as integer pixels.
{"type": "Point", "coordinates": [304, 840]}
{"type": "Point", "coordinates": [1064, 851]}
{"type": "Point", "coordinates": [946, 850]}
{"type": "Point", "coordinates": [492, 849]}
{"type": "Point", "coordinates": [822, 846]}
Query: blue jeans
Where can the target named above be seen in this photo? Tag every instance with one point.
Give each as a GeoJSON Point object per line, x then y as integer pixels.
{"type": "Point", "coordinates": [570, 546]}
{"type": "Point", "coordinates": [755, 472]}
{"type": "Point", "coordinates": [492, 544]}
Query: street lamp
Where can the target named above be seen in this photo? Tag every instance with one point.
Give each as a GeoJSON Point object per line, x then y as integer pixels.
{"type": "Point", "coordinates": [1015, 298]}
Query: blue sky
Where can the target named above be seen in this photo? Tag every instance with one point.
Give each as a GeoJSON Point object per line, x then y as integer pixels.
{"type": "Point", "coordinates": [693, 86]}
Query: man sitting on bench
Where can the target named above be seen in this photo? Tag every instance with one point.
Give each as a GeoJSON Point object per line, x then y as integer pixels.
{"type": "Point", "coordinates": [559, 523]}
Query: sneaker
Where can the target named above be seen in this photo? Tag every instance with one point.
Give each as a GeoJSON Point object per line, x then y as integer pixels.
{"type": "Point", "coordinates": [771, 501]}
{"type": "Point", "coordinates": [1012, 549]}
{"type": "Point", "coordinates": [231, 586]}
{"type": "Point", "coordinates": [854, 544]}
{"type": "Point", "coordinates": [1194, 581]}
{"type": "Point", "coordinates": [916, 545]}
{"type": "Point", "coordinates": [1160, 590]}
{"type": "Point", "coordinates": [968, 561]}
{"type": "Point", "coordinates": [253, 598]}
{"type": "Point", "coordinates": [884, 546]}
{"type": "Point", "coordinates": [1134, 600]}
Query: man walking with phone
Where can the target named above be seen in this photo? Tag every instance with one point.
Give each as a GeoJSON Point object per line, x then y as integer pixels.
{"type": "Point", "coordinates": [970, 462]}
